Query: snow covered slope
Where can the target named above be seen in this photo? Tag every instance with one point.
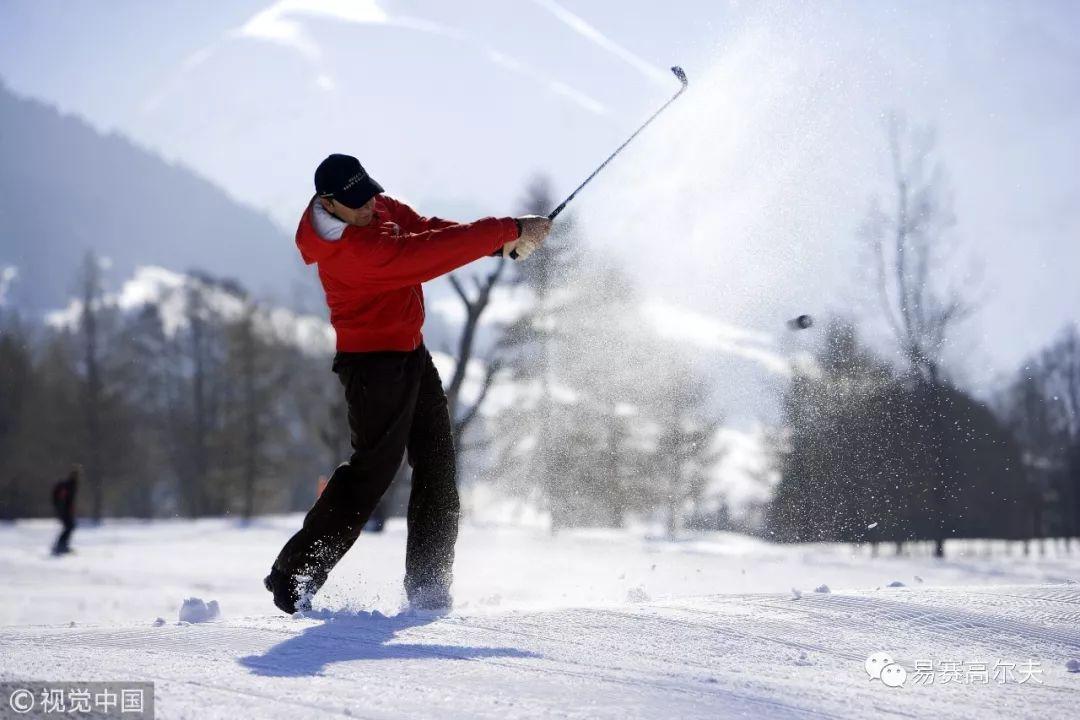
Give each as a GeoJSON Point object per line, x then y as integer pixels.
{"type": "Point", "coordinates": [590, 624]}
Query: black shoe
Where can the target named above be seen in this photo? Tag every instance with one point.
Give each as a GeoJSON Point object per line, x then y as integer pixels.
{"type": "Point", "coordinates": [291, 594]}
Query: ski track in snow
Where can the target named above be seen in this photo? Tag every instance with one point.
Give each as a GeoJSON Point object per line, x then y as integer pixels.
{"type": "Point", "coordinates": [542, 628]}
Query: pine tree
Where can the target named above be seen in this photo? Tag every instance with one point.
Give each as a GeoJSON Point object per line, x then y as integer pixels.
{"type": "Point", "coordinates": [17, 384]}
{"type": "Point", "coordinates": [686, 448]}
{"type": "Point", "coordinates": [148, 378]}
{"type": "Point", "coordinates": [92, 393]}
{"type": "Point", "coordinates": [533, 465]}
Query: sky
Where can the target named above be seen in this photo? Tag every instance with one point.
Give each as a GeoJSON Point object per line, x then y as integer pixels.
{"type": "Point", "coordinates": [742, 203]}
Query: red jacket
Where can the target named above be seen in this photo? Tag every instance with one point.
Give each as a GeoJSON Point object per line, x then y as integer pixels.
{"type": "Point", "coordinates": [372, 276]}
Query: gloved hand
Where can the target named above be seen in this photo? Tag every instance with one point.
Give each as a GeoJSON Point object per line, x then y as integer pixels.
{"type": "Point", "coordinates": [519, 249]}
{"type": "Point", "coordinates": [534, 228]}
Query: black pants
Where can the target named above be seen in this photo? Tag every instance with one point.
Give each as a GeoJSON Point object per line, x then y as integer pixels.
{"type": "Point", "coordinates": [63, 542]}
{"type": "Point", "coordinates": [396, 403]}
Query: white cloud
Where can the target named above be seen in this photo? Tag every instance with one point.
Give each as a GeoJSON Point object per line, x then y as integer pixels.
{"type": "Point", "coordinates": [560, 88]}
{"type": "Point", "coordinates": [355, 11]}
{"type": "Point", "coordinates": [197, 58]}
{"type": "Point", "coordinates": [278, 24]}
{"type": "Point", "coordinates": [553, 85]}
{"type": "Point", "coordinates": [281, 24]}
{"type": "Point", "coordinates": [272, 26]}
{"type": "Point", "coordinates": [590, 33]}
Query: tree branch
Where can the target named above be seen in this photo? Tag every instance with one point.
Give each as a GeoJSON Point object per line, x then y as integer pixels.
{"type": "Point", "coordinates": [489, 378]}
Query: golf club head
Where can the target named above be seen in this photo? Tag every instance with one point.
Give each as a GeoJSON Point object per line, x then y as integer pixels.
{"type": "Point", "coordinates": [681, 74]}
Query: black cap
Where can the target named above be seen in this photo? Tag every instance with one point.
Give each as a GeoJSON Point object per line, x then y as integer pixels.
{"type": "Point", "coordinates": [344, 179]}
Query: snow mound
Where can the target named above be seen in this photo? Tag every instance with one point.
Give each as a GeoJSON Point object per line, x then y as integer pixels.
{"type": "Point", "coordinates": [822, 589]}
{"type": "Point", "coordinates": [637, 595]}
{"type": "Point", "coordinates": [796, 594]}
{"type": "Point", "coordinates": [194, 610]}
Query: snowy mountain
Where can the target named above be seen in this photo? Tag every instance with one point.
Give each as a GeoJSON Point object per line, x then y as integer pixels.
{"type": "Point", "coordinates": [66, 188]}
{"type": "Point", "coordinates": [168, 292]}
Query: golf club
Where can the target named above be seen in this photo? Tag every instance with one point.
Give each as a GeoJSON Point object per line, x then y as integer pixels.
{"type": "Point", "coordinates": [681, 75]}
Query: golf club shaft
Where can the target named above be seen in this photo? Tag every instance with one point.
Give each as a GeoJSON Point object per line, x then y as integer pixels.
{"type": "Point", "coordinates": [682, 77]}
{"type": "Point", "coordinates": [678, 71]}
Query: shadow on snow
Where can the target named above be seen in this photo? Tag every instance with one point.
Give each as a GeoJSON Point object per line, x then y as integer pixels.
{"type": "Point", "coordinates": [362, 636]}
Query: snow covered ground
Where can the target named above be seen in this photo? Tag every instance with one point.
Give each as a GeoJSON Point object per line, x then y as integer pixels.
{"type": "Point", "coordinates": [587, 624]}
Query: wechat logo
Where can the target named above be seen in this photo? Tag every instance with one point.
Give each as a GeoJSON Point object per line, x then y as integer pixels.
{"type": "Point", "coordinates": [881, 666]}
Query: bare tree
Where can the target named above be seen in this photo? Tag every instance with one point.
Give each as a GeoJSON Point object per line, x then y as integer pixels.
{"type": "Point", "coordinates": [911, 244]}
{"type": "Point", "coordinates": [536, 274]}
{"type": "Point", "coordinates": [475, 303]}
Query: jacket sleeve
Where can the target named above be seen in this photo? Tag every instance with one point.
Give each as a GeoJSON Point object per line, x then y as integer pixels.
{"type": "Point", "coordinates": [392, 261]}
{"type": "Point", "coordinates": [411, 221]}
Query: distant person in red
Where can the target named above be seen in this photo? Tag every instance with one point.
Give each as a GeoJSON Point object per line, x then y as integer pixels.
{"type": "Point", "coordinates": [373, 252]}
{"type": "Point", "coordinates": [63, 498]}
